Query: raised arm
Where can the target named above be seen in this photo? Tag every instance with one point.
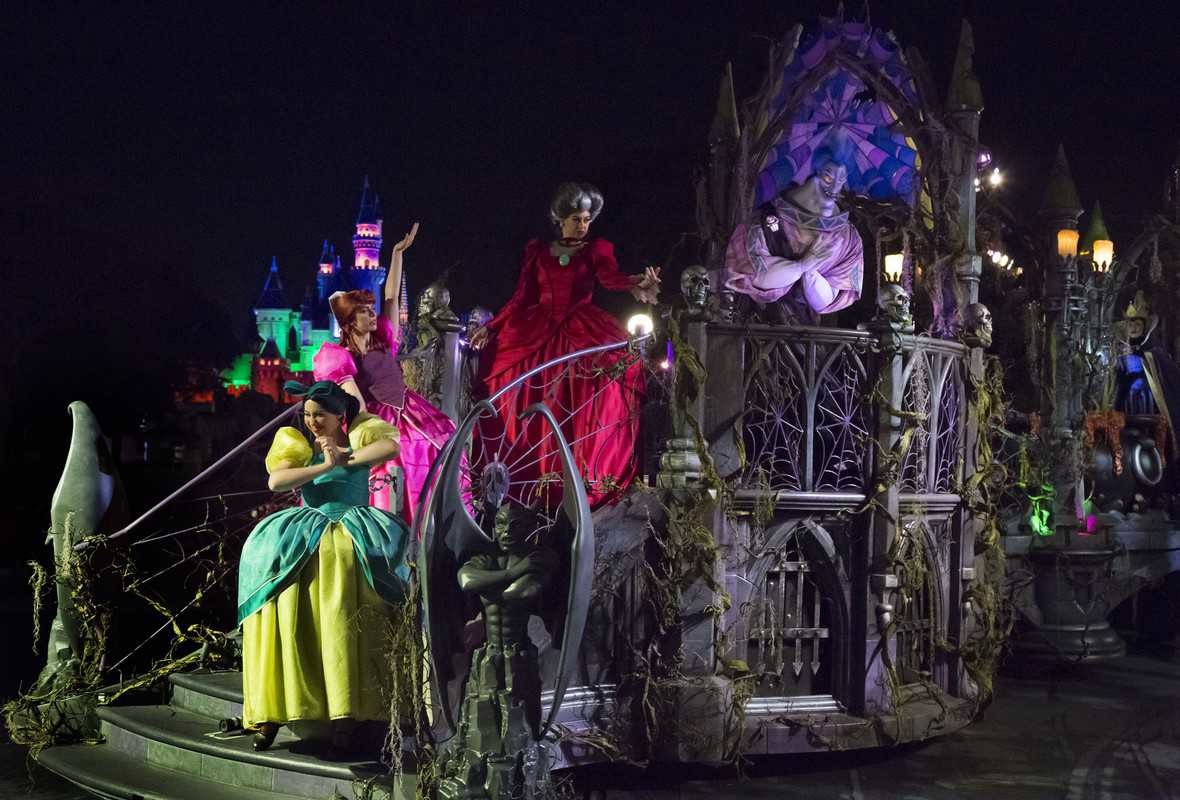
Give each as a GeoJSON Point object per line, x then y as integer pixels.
{"type": "Point", "coordinates": [393, 281]}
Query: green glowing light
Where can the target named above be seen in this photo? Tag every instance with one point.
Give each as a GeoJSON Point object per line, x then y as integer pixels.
{"type": "Point", "coordinates": [1041, 510]}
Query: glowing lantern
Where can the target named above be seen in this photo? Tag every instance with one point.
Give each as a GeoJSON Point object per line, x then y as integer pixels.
{"type": "Point", "coordinates": [1103, 255]}
{"type": "Point", "coordinates": [893, 265]}
{"type": "Point", "coordinates": [1067, 243]}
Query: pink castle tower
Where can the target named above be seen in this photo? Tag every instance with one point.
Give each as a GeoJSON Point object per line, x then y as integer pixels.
{"type": "Point", "coordinates": [367, 272]}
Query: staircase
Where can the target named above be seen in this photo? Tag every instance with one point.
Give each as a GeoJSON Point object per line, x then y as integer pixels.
{"type": "Point", "coordinates": [177, 752]}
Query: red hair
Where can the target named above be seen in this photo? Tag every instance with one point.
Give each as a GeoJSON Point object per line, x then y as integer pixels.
{"type": "Point", "coordinates": [344, 307]}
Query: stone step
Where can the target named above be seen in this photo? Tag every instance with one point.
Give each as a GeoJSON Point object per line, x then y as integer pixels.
{"type": "Point", "coordinates": [179, 740]}
{"type": "Point", "coordinates": [108, 773]}
{"type": "Point", "coordinates": [210, 694]}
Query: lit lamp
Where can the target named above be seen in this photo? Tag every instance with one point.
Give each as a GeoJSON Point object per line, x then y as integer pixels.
{"type": "Point", "coordinates": [1103, 255]}
{"type": "Point", "coordinates": [1097, 245]}
{"type": "Point", "coordinates": [1067, 243]}
{"type": "Point", "coordinates": [893, 265]}
{"type": "Point", "coordinates": [640, 325]}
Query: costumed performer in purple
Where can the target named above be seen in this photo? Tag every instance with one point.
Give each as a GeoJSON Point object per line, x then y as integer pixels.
{"type": "Point", "coordinates": [316, 582]}
{"type": "Point", "coordinates": [800, 248]}
{"type": "Point", "coordinates": [365, 365]}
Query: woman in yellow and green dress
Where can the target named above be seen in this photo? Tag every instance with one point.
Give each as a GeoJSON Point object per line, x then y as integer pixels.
{"type": "Point", "coordinates": [316, 582]}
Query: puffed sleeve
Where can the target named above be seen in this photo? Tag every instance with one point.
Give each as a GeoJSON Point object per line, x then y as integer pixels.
{"type": "Point", "coordinates": [289, 449]}
{"type": "Point", "coordinates": [369, 428]}
{"type": "Point", "coordinates": [333, 363]}
{"type": "Point", "coordinates": [387, 334]}
{"type": "Point", "coordinates": [526, 293]}
{"type": "Point", "coordinates": [606, 267]}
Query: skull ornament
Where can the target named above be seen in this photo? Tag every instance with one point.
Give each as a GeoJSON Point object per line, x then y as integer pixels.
{"type": "Point", "coordinates": [893, 304]}
{"type": "Point", "coordinates": [694, 286]}
{"type": "Point", "coordinates": [977, 325]}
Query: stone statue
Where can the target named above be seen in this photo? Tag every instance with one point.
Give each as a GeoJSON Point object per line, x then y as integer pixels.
{"type": "Point", "coordinates": [800, 249]}
{"type": "Point", "coordinates": [435, 316]}
{"type": "Point", "coordinates": [977, 325]}
{"type": "Point", "coordinates": [694, 288]}
{"type": "Point", "coordinates": [526, 567]}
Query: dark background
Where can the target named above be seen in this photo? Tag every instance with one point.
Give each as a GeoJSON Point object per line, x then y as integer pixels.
{"type": "Point", "coordinates": [155, 157]}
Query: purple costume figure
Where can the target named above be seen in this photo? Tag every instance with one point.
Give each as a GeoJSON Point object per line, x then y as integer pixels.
{"type": "Point", "coordinates": [801, 249]}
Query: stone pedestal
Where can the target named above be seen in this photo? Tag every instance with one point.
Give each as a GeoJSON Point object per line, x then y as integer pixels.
{"type": "Point", "coordinates": [1069, 594]}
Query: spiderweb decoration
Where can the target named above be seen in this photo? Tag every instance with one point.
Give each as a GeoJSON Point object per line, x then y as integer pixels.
{"type": "Point", "coordinates": [841, 432]}
{"type": "Point", "coordinates": [948, 447]}
{"type": "Point", "coordinates": [916, 400]}
{"type": "Point", "coordinates": [597, 401]}
{"type": "Point", "coordinates": [773, 425]}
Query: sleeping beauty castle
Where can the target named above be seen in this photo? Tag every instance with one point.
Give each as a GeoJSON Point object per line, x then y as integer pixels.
{"type": "Point", "coordinates": [289, 335]}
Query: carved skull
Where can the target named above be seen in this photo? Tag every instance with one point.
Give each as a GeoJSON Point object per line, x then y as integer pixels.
{"type": "Point", "coordinates": [694, 286]}
{"type": "Point", "coordinates": [977, 325]}
{"type": "Point", "coordinates": [893, 303]}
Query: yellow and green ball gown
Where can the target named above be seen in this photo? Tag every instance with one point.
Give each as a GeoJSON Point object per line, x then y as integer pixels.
{"type": "Point", "coordinates": [315, 585]}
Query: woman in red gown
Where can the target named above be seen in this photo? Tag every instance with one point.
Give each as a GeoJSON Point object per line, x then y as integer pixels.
{"type": "Point", "coordinates": [550, 314]}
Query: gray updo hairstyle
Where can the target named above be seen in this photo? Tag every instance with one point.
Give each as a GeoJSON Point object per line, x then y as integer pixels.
{"type": "Point", "coordinates": [573, 197]}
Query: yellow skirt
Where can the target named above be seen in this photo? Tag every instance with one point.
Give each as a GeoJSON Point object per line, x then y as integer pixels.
{"type": "Point", "coordinates": [316, 651]}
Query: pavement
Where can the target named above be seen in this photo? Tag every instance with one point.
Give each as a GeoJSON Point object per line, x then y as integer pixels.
{"type": "Point", "coordinates": [1107, 731]}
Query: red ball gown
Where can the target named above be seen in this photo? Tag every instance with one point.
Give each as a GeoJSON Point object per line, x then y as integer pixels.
{"type": "Point", "coordinates": [596, 400]}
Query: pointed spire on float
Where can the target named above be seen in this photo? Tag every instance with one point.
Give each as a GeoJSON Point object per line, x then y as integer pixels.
{"type": "Point", "coordinates": [725, 125]}
{"type": "Point", "coordinates": [1061, 193]}
{"type": "Point", "coordinates": [964, 93]}
{"type": "Point", "coordinates": [1095, 231]}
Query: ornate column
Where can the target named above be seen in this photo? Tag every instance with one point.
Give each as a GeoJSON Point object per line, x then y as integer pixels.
{"type": "Point", "coordinates": [964, 107]}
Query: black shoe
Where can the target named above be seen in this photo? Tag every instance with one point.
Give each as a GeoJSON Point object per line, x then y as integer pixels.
{"type": "Point", "coordinates": [265, 736]}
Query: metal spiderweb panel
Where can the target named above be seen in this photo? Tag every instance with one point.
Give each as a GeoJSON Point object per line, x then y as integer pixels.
{"type": "Point", "coordinates": [773, 428]}
{"type": "Point", "coordinates": [948, 448]}
{"type": "Point", "coordinates": [916, 400]}
{"type": "Point", "coordinates": [841, 433]}
{"type": "Point", "coordinates": [521, 458]}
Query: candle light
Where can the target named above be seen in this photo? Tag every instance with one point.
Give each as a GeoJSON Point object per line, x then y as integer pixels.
{"type": "Point", "coordinates": [893, 267]}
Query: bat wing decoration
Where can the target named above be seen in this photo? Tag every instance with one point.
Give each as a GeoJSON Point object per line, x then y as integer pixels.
{"type": "Point", "coordinates": [450, 535]}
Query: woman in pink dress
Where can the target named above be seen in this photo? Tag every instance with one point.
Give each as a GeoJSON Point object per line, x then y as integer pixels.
{"type": "Point", "coordinates": [365, 365]}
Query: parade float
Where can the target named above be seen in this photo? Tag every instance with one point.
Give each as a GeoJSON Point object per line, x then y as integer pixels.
{"type": "Point", "coordinates": [811, 554]}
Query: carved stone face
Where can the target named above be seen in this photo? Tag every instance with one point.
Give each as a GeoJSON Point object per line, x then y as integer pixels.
{"type": "Point", "coordinates": [694, 285]}
{"type": "Point", "coordinates": [433, 298]}
{"type": "Point", "coordinates": [977, 322]}
{"type": "Point", "coordinates": [894, 302]}
{"type": "Point", "coordinates": [478, 317]}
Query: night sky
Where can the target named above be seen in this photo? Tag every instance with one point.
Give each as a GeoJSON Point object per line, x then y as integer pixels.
{"type": "Point", "coordinates": [157, 157]}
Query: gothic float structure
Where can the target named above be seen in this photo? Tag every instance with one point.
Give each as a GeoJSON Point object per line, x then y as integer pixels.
{"type": "Point", "coordinates": [817, 563]}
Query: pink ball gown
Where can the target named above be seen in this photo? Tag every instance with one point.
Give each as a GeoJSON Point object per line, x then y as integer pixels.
{"type": "Point", "coordinates": [423, 428]}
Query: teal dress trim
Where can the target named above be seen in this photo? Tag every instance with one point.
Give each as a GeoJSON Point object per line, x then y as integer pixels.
{"type": "Point", "coordinates": [281, 544]}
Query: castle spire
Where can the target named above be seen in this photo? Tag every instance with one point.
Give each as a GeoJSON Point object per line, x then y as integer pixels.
{"type": "Point", "coordinates": [272, 291]}
{"type": "Point", "coordinates": [370, 208]}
